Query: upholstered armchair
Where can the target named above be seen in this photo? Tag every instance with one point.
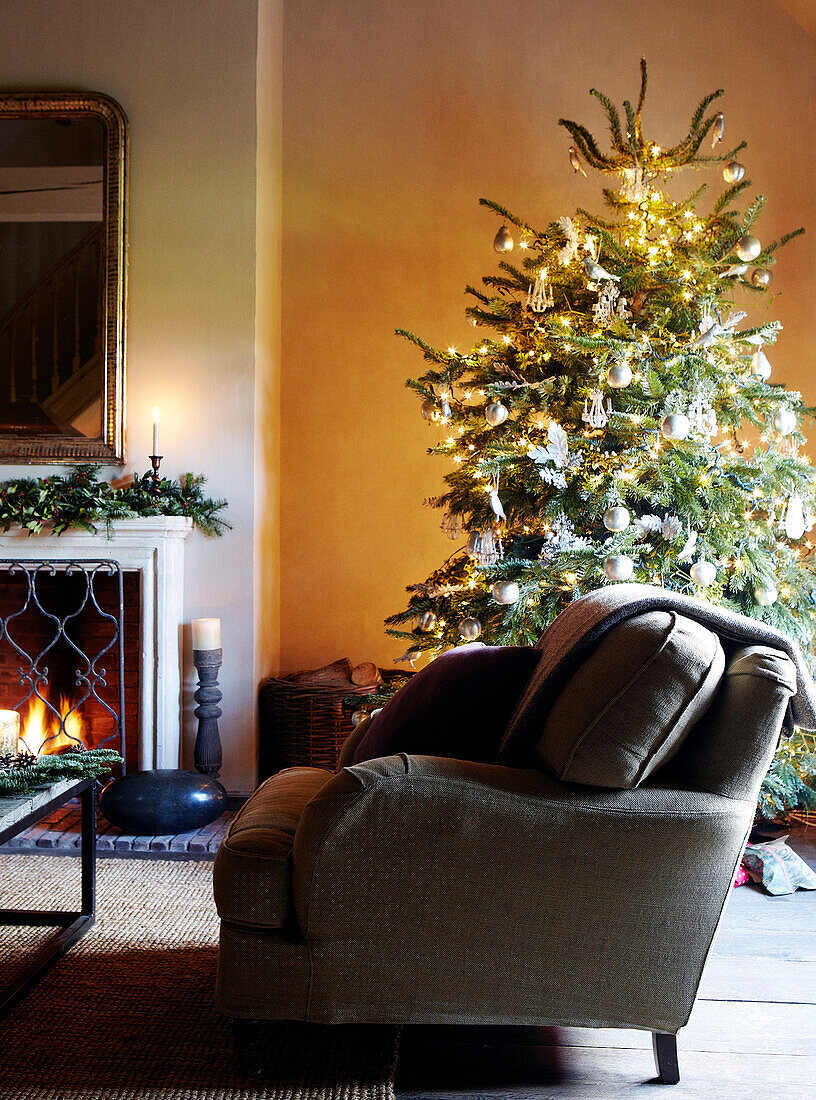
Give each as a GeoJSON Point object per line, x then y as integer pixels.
{"type": "Point", "coordinates": [577, 880]}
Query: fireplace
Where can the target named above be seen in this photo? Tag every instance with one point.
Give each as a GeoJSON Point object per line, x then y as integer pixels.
{"type": "Point", "coordinates": [149, 555]}
{"type": "Point", "coordinates": [69, 654]}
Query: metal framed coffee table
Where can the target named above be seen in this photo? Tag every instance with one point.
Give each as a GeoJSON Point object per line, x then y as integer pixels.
{"type": "Point", "coordinates": [17, 813]}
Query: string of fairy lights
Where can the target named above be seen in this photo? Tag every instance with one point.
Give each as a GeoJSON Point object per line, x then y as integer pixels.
{"type": "Point", "coordinates": [619, 382]}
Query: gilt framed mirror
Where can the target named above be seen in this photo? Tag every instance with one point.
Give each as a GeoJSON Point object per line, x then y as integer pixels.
{"type": "Point", "coordinates": [63, 278]}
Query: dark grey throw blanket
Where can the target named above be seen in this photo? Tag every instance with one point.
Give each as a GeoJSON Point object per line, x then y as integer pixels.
{"type": "Point", "coordinates": [567, 642]}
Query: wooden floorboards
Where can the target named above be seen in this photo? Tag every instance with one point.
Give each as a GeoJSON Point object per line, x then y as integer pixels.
{"type": "Point", "coordinates": [752, 1034]}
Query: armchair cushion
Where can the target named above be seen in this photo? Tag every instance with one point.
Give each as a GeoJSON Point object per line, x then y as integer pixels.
{"type": "Point", "coordinates": [457, 706]}
{"type": "Point", "coordinates": [628, 707]}
{"type": "Point", "coordinates": [252, 877]}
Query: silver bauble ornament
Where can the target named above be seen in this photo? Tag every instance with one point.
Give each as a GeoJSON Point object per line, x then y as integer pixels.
{"type": "Point", "coordinates": [496, 413]}
{"type": "Point", "coordinates": [733, 171]}
{"type": "Point", "coordinates": [784, 421]}
{"type": "Point", "coordinates": [766, 594]}
{"type": "Point", "coordinates": [358, 717]}
{"type": "Point", "coordinates": [428, 410]}
{"type": "Point", "coordinates": [748, 248]}
{"type": "Point", "coordinates": [761, 276]}
{"type": "Point", "coordinates": [675, 426]}
{"type": "Point", "coordinates": [503, 241]}
{"type": "Point", "coordinates": [760, 367]}
{"type": "Point", "coordinates": [470, 629]}
{"type": "Point", "coordinates": [703, 573]}
{"type": "Point", "coordinates": [616, 519]}
{"type": "Point", "coordinates": [618, 567]}
{"type": "Point", "coordinates": [619, 375]}
{"type": "Point", "coordinates": [426, 621]}
{"type": "Point", "coordinates": [505, 591]}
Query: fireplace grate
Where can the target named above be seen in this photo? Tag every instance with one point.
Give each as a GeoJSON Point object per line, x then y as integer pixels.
{"type": "Point", "coordinates": [30, 595]}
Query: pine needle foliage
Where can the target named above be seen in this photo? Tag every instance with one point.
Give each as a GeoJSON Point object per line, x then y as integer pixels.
{"type": "Point", "coordinates": [80, 500]}
{"type": "Point", "coordinates": [681, 335]}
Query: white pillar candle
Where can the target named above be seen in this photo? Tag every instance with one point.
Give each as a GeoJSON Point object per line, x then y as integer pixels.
{"type": "Point", "coordinates": [156, 419]}
{"type": "Point", "coordinates": [206, 634]}
{"type": "Point", "coordinates": [9, 731]}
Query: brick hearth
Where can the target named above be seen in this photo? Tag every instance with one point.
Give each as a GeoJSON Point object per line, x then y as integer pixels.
{"type": "Point", "coordinates": [58, 835]}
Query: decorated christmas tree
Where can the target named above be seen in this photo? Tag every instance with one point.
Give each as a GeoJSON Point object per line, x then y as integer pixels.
{"type": "Point", "coordinates": [618, 419]}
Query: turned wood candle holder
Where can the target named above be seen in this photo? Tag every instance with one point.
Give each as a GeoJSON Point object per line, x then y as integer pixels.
{"type": "Point", "coordinates": [207, 757]}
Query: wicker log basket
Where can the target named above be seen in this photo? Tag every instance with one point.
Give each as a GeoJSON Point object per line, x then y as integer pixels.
{"type": "Point", "coordinates": [303, 721]}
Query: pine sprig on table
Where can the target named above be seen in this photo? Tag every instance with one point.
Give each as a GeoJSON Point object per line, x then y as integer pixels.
{"type": "Point", "coordinates": [20, 774]}
{"type": "Point", "coordinates": [80, 500]}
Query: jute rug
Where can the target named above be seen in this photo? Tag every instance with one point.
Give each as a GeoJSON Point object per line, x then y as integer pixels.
{"type": "Point", "coordinates": [127, 1014]}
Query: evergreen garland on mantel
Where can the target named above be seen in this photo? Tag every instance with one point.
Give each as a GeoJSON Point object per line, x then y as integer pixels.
{"type": "Point", "coordinates": [80, 500]}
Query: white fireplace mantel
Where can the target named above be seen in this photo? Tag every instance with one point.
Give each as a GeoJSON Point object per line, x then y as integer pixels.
{"type": "Point", "coordinates": [153, 547]}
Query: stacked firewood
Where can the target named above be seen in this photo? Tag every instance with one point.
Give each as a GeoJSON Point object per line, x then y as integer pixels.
{"type": "Point", "coordinates": [340, 674]}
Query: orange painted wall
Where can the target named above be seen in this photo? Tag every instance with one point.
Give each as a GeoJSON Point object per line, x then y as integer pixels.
{"type": "Point", "coordinates": [397, 117]}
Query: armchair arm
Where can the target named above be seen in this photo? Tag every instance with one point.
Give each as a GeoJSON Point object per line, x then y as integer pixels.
{"type": "Point", "coordinates": [472, 883]}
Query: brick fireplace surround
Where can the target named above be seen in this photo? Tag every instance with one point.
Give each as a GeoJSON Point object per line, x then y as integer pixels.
{"type": "Point", "coordinates": [153, 548]}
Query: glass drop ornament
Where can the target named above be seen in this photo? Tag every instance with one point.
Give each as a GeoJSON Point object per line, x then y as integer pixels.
{"type": "Point", "coordinates": [503, 241]}
{"type": "Point", "coordinates": [766, 594]}
{"type": "Point", "coordinates": [784, 421]}
{"type": "Point", "coordinates": [619, 376]}
{"type": "Point", "coordinates": [675, 426]}
{"type": "Point", "coordinates": [703, 573]}
{"type": "Point", "coordinates": [795, 524]}
{"type": "Point", "coordinates": [470, 629]}
{"type": "Point", "coordinates": [496, 414]}
{"type": "Point", "coordinates": [761, 277]}
{"type": "Point", "coordinates": [748, 248]}
{"type": "Point", "coordinates": [616, 519]}
{"type": "Point", "coordinates": [760, 366]}
{"type": "Point", "coordinates": [618, 567]}
{"type": "Point", "coordinates": [426, 621]}
{"type": "Point", "coordinates": [505, 592]}
{"type": "Point", "coordinates": [733, 172]}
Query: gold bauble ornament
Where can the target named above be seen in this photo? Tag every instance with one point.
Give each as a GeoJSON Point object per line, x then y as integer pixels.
{"type": "Point", "coordinates": [748, 248]}
{"type": "Point", "coordinates": [619, 375]}
{"type": "Point", "coordinates": [784, 421]}
{"type": "Point", "coordinates": [428, 410]}
{"type": "Point", "coordinates": [761, 277]}
{"type": "Point", "coordinates": [733, 172]}
{"type": "Point", "coordinates": [496, 413]}
{"type": "Point", "coordinates": [505, 592]}
{"type": "Point", "coordinates": [766, 594]}
{"type": "Point", "coordinates": [616, 519]}
{"type": "Point", "coordinates": [470, 629]}
{"type": "Point", "coordinates": [675, 426]}
{"type": "Point", "coordinates": [618, 567]}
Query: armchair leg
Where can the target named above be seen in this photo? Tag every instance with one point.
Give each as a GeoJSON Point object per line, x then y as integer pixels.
{"type": "Point", "coordinates": [665, 1054]}
{"type": "Point", "coordinates": [245, 1035]}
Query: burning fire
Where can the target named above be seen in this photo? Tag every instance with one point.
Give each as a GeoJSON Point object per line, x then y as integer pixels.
{"type": "Point", "coordinates": [38, 725]}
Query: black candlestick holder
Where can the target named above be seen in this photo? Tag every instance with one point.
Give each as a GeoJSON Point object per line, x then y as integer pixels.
{"type": "Point", "coordinates": [207, 756]}
{"type": "Point", "coordinates": [155, 462]}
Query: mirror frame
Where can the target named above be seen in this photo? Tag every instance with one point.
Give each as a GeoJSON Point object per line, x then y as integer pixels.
{"type": "Point", "coordinates": [109, 448]}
